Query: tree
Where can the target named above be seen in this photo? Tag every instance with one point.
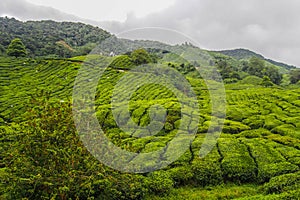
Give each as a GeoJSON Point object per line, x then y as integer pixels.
{"type": "Point", "coordinates": [257, 67]}
{"type": "Point", "coordinates": [140, 56]}
{"type": "Point", "coordinates": [2, 49]}
{"type": "Point", "coordinates": [273, 74]}
{"type": "Point", "coordinates": [46, 149]}
{"type": "Point", "coordinates": [295, 75]}
{"type": "Point", "coordinates": [227, 71]}
{"type": "Point", "coordinates": [16, 48]}
{"type": "Point", "coordinates": [266, 82]}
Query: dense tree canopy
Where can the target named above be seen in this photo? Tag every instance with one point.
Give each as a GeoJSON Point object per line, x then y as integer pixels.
{"type": "Point", "coordinates": [16, 48]}
{"type": "Point", "coordinates": [227, 71]}
{"type": "Point", "coordinates": [140, 56]}
{"type": "Point", "coordinates": [257, 67]}
{"type": "Point", "coordinates": [295, 76]}
{"type": "Point", "coordinates": [41, 37]}
{"type": "Point", "coordinates": [266, 82]}
{"type": "Point", "coordinates": [2, 49]}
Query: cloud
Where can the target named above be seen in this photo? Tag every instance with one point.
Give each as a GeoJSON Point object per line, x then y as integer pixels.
{"type": "Point", "coordinates": [24, 10]}
{"type": "Point", "coordinates": [271, 28]}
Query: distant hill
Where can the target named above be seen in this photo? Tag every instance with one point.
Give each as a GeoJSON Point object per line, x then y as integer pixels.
{"type": "Point", "coordinates": [67, 39]}
{"type": "Point", "coordinates": [44, 38]}
{"type": "Point", "coordinates": [241, 54]}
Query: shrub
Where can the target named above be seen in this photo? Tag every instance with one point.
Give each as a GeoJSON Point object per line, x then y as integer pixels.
{"type": "Point", "coordinates": [49, 161]}
{"type": "Point", "coordinates": [271, 122]}
{"type": "Point", "coordinates": [140, 56]}
{"type": "Point", "coordinates": [255, 122]}
{"type": "Point", "coordinates": [16, 48]}
{"type": "Point", "coordinates": [282, 183]}
{"type": "Point", "coordinates": [234, 127]}
{"type": "Point", "coordinates": [236, 114]}
{"type": "Point", "coordinates": [159, 182]}
{"type": "Point", "coordinates": [181, 175]}
{"type": "Point", "coordinates": [237, 164]}
{"type": "Point", "coordinates": [285, 140]}
{"type": "Point", "coordinates": [269, 161]}
{"type": "Point", "coordinates": [207, 170]}
{"type": "Point", "coordinates": [275, 169]}
{"type": "Point", "coordinates": [286, 130]}
{"type": "Point", "coordinates": [256, 133]}
{"type": "Point", "coordinates": [122, 62]}
{"type": "Point", "coordinates": [266, 82]}
{"type": "Point", "coordinates": [254, 80]}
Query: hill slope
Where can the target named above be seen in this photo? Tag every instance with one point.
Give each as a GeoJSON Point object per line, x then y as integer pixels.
{"type": "Point", "coordinates": [259, 142]}
{"type": "Point", "coordinates": [44, 38]}
{"type": "Point", "coordinates": [42, 156]}
{"type": "Point", "coordinates": [241, 54]}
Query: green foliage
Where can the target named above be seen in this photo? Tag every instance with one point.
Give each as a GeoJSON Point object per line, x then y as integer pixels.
{"type": "Point", "coordinates": [266, 82]}
{"type": "Point", "coordinates": [257, 67]}
{"type": "Point", "coordinates": [2, 49]}
{"type": "Point", "coordinates": [295, 76]}
{"type": "Point", "coordinates": [16, 48]}
{"type": "Point", "coordinates": [254, 80]}
{"type": "Point", "coordinates": [230, 80]}
{"type": "Point", "coordinates": [271, 122]}
{"type": "Point", "coordinates": [41, 37]}
{"type": "Point", "coordinates": [234, 127]}
{"type": "Point", "coordinates": [293, 194]}
{"type": "Point", "coordinates": [227, 71]}
{"type": "Point", "coordinates": [184, 68]}
{"type": "Point", "coordinates": [182, 175]}
{"type": "Point", "coordinates": [256, 133]}
{"type": "Point", "coordinates": [286, 130]}
{"type": "Point", "coordinates": [224, 191]}
{"type": "Point", "coordinates": [241, 54]}
{"type": "Point", "coordinates": [159, 182]}
{"type": "Point", "coordinates": [274, 169]}
{"type": "Point", "coordinates": [140, 56]}
{"type": "Point", "coordinates": [270, 162]}
{"type": "Point", "coordinates": [122, 62]}
{"type": "Point", "coordinates": [237, 164]}
{"type": "Point", "coordinates": [283, 183]}
{"type": "Point", "coordinates": [207, 171]}
{"type": "Point", "coordinates": [41, 155]}
{"type": "Point", "coordinates": [50, 162]}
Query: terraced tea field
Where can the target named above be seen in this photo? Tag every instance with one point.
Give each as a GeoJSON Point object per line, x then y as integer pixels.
{"type": "Point", "coordinates": [259, 144]}
{"type": "Point", "coordinates": [21, 79]}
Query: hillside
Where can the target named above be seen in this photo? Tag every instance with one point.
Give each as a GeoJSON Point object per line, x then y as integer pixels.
{"type": "Point", "coordinates": [44, 154]}
{"type": "Point", "coordinates": [66, 39]}
{"type": "Point", "coordinates": [241, 54]}
{"type": "Point", "coordinates": [49, 38]}
{"type": "Point", "coordinates": [259, 144]}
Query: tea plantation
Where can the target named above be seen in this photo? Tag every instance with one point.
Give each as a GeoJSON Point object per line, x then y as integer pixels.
{"type": "Point", "coordinates": [42, 157]}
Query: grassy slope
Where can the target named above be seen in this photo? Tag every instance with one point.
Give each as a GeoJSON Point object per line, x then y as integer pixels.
{"type": "Point", "coordinates": [22, 78]}
{"type": "Point", "coordinates": [260, 140]}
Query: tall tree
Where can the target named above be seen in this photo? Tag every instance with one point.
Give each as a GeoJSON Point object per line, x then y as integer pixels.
{"type": "Point", "coordinates": [16, 48]}
{"type": "Point", "coordinates": [256, 66]}
{"type": "Point", "coordinates": [266, 81]}
{"type": "Point", "coordinates": [140, 56]}
{"type": "Point", "coordinates": [295, 76]}
{"type": "Point", "coordinates": [2, 49]}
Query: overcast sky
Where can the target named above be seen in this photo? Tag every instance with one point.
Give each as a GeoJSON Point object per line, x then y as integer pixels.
{"type": "Point", "coordinates": [269, 27]}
